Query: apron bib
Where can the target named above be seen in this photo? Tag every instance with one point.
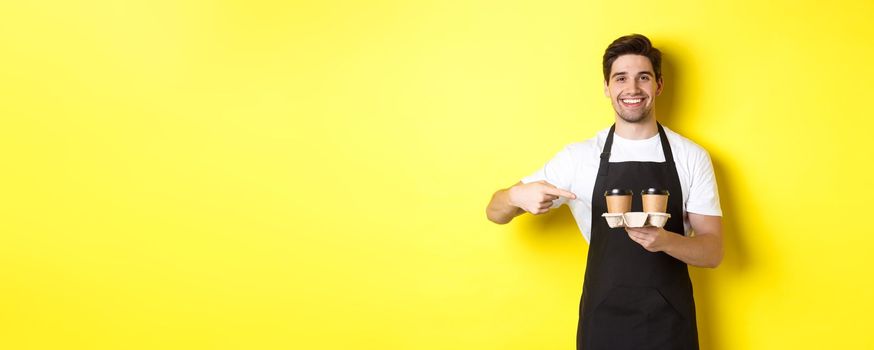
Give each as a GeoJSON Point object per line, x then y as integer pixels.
{"type": "Point", "coordinates": [633, 298]}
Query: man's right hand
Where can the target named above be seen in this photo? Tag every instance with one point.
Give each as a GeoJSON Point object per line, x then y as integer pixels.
{"type": "Point", "coordinates": [536, 197]}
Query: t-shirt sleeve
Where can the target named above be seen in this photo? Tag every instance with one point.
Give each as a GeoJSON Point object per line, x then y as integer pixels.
{"type": "Point", "coordinates": [558, 171]}
{"type": "Point", "coordinates": [703, 193]}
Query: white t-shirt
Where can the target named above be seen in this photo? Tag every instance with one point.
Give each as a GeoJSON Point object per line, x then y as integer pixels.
{"type": "Point", "coordinates": [575, 168]}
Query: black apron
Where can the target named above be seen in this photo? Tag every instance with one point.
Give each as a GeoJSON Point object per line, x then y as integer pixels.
{"type": "Point", "coordinates": [633, 298]}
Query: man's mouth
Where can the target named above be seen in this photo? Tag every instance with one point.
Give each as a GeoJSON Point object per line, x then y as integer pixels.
{"type": "Point", "coordinates": [632, 102]}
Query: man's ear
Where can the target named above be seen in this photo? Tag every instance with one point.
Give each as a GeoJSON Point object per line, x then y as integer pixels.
{"type": "Point", "coordinates": [661, 84]}
{"type": "Point", "coordinates": [606, 89]}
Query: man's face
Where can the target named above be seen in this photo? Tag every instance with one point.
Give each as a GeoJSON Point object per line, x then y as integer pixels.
{"type": "Point", "coordinates": [632, 88]}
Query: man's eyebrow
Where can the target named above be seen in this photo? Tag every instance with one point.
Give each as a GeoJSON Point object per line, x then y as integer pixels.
{"type": "Point", "coordinates": [646, 72]}
{"type": "Point", "coordinates": [626, 73]}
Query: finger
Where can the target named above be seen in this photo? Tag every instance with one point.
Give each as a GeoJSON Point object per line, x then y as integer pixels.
{"type": "Point", "coordinates": [645, 231]}
{"type": "Point", "coordinates": [561, 193]}
{"type": "Point", "coordinates": [545, 205]}
{"type": "Point", "coordinates": [635, 235]}
{"type": "Point", "coordinates": [549, 197]}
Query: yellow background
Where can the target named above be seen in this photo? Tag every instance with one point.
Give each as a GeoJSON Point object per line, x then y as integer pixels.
{"type": "Point", "coordinates": [275, 175]}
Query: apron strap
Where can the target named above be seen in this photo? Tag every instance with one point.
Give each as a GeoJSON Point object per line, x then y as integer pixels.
{"type": "Point", "coordinates": [666, 147]}
{"type": "Point", "coordinates": [604, 169]}
{"type": "Point", "coordinates": [605, 153]}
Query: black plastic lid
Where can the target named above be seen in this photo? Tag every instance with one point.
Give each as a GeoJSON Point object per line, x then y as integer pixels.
{"type": "Point", "coordinates": [618, 192]}
{"type": "Point", "coordinates": [655, 191]}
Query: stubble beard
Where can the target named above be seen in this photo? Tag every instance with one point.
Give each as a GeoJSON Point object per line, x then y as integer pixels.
{"type": "Point", "coordinates": [634, 118]}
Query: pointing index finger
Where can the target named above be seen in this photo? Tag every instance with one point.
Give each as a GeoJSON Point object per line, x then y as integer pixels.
{"type": "Point", "coordinates": [561, 193]}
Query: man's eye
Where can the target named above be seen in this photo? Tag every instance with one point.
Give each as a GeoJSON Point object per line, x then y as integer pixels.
{"type": "Point", "coordinates": [645, 77]}
{"type": "Point", "coordinates": [620, 79]}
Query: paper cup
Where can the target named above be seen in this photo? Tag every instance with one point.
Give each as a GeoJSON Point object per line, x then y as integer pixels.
{"type": "Point", "coordinates": [655, 200]}
{"type": "Point", "coordinates": [618, 200]}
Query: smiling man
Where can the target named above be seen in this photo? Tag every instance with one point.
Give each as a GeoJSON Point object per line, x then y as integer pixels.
{"type": "Point", "coordinates": [637, 293]}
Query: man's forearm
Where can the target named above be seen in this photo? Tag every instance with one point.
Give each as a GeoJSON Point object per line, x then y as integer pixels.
{"type": "Point", "coordinates": [500, 210]}
{"type": "Point", "coordinates": [700, 250]}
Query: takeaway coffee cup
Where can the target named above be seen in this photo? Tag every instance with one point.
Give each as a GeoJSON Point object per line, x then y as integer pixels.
{"type": "Point", "coordinates": [655, 200]}
{"type": "Point", "coordinates": [618, 200]}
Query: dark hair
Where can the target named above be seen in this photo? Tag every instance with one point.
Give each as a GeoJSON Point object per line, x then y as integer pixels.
{"type": "Point", "coordinates": [634, 44]}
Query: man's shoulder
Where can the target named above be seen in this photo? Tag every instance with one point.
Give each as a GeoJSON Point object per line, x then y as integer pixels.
{"type": "Point", "coordinates": [679, 143]}
{"type": "Point", "coordinates": [683, 145]}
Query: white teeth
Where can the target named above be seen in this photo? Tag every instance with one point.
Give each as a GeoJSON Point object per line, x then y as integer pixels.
{"type": "Point", "coordinates": [632, 101]}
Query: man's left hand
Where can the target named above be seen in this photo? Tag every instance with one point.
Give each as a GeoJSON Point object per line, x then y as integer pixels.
{"type": "Point", "coordinates": [653, 239]}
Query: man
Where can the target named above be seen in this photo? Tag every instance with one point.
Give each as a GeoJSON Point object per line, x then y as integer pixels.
{"type": "Point", "coordinates": [637, 293]}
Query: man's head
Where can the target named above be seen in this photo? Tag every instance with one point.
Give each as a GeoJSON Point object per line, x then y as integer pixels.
{"type": "Point", "coordinates": [633, 77]}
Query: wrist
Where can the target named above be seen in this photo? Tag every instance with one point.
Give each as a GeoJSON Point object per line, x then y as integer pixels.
{"type": "Point", "coordinates": [511, 193]}
{"type": "Point", "coordinates": [670, 241]}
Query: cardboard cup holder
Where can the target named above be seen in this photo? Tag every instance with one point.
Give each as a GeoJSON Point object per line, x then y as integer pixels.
{"type": "Point", "coordinates": [636, 219]}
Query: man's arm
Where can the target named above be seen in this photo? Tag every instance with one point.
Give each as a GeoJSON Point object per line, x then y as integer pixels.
{"type": "Point", "coordinates": [535, 198]}
{"type": "Point", "coordinates": [702, 249]}
{"type": "Point", "coordinates": [499, 210]}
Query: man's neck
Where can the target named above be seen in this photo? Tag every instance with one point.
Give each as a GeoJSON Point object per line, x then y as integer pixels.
{"type": "Point", "coordinates": [637, 131]}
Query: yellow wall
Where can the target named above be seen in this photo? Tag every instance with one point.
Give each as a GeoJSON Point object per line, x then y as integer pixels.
{"type": "Point", "coordinates": [272, 175]}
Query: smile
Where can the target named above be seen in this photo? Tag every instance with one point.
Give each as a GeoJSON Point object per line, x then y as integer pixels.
{"type": "Point", "coordinates": [631, 102]}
